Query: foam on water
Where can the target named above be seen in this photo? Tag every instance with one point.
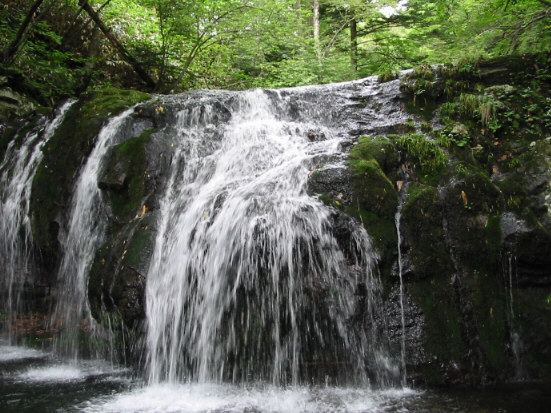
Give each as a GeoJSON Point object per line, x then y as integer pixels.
{"type": "Point", "coordinates": [13, 353]}
{"type": "Point", "coordinates": [198, 398]}
{"type": "Point", "coordinates": [70, 372]}
{"type": "Point", "coordinates": [53, 374]}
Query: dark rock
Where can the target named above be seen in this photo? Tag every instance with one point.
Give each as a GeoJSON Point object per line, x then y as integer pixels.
{"type": "Point", "coordinates": [424, 242]}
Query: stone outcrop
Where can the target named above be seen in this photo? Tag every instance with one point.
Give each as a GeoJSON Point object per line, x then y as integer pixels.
{"type": "Point", "coordinates": [468, 173]}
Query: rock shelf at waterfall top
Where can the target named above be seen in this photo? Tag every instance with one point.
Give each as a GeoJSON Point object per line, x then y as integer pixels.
{"type": "Point", "coordinates": [252, 237]}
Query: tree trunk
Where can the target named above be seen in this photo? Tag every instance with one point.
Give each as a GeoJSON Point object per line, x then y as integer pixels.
{"type": "Point", "coordinates": [354, 44]}
{"type": "Point", "coordinates": [316, 22]}
{"type": "Point", "coordinates": [78, 26]}
{"type": "Point", "coordinates": [298, 8]}
{"type": "Point", "coordinates": [15, 45]}
{"type": "Point", "coordinates": [120, 48]}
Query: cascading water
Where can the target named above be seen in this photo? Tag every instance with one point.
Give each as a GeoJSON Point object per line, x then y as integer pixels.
{"type": "Point", "coordinates": [397, 219]}
{"type": "Point", "coordinates": [18, 169]}
{"type": "Point", "coordinates": [248, 281]}
{"type": "Point", "coordinates": [85, 229]}
{"type": "Point", "coordinates": [515, 340]}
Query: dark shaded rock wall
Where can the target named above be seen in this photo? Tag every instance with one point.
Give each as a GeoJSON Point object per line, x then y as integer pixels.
{"type": "Point", "coordinates": [468, 173]}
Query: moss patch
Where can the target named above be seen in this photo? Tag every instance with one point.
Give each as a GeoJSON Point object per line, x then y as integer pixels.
{"type": "Point", "coordinates": [126, 166]}
{"type": "Point", "coordinates": [64, 154]}
{"type": "Point", "coordinates": [373, 190]}
{"type": "Point", "coordinates": [379, 148]}
{"type": "Point", "coordinates": [472, 207]}
{"type": "Point", "coordinates": [425, 155]}
{"type": "Point", "coordinates": [374, 203]}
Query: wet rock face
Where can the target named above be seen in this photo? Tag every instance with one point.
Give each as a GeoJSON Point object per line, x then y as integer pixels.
{"type": "Point", "coordinates": [131, 182]}
{"type": "Point", "coordinates": [475, 233]}
{"type": "Point", "coordinates": [424, 239]}
{"type": "Point", "coordinates": [64, 155]}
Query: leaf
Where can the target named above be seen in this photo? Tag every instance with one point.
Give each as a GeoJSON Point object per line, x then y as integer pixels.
{"type": "Point", "coordinates": [464, 197]}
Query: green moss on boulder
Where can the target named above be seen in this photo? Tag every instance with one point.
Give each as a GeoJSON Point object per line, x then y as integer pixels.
{"type": "Point", "coordinates": [380, 148]}
{"type": "Point", "coordinates": [374, 202]}
{"type": "Point", "coordinates": [65, 153]}
{"type": "Point", "coordinates": [125, 177]}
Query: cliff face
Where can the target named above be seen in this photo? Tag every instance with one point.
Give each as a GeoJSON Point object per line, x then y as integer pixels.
{"type": "Point", "coordinates": [472, 182]}
{"type": "Point", "coordinates": [464, 182]}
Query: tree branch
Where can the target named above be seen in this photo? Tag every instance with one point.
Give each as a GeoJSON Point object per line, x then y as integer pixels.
{"type": "Point", "coordinates": [120, 48]}
{"type": "Point", "coordinates": [15, 45]}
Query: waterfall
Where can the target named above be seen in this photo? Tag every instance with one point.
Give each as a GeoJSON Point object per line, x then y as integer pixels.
{"type": "Point", "coordinates": [515, 340]}
{"type": "Point", "coordinates": [85, 229]}
{"type": "Point", "coordinates": [17, 172]}
{"type": "Point", "coordinates": [397, 219]}
{"type": "Point", "coordinates": [247, 280]}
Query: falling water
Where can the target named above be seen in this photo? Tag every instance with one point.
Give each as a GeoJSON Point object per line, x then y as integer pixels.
{"type": "Point", "coordinates": [247, 281]}
{"type": "Point", "coordinates": [18, 169]}
{"type": "Point", "coordinates": [397, 218]}
{"type": "Point", "coordinates": [515, 340]}
{"type": "Point", "coordinates": [83, 236]}
{"type": "Point", "coordinates": [511, 265]}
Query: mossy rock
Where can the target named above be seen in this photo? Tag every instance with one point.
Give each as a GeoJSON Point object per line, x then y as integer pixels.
{"type": "Point", "coordinates": [387, 76]}
{"type": "Point", "coordinates": [514, 192]}
{"type": "Point", "coordinates": [379, 148]}
{"type": "Point", "coordinates": [374, 202]}
{"type": "Point", "coordinates": [125, 177]}
{"type": "Point", "coordinates": [64, 155]}
{"type": "Point", "coordinates": [443, 337]}
{"type": "Point", "coordinates": [533, 318]}
{"type": "Point", "coordinates": [423, 232]}
{"type": "Point", "coordinates": [374, 192]}
{"type": "Point", "coordinates": [490, 314]}
{"type": "Point", "coordinates": [423, 158]}
{"type": "Point", "coordinates": [117, 278]}
{"type": "Point", "coordinates": [470, 205]}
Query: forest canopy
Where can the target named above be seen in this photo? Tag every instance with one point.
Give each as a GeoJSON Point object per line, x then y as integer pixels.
{"type": "Point", "coordinates": [57, 48]}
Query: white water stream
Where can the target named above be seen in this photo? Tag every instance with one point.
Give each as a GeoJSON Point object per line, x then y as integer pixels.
{"type": "Point", "coordinates": [243, 250]}
{"type": "Point", "coordinates": [397, 219]}
{"type": "Point", "coordinates": [18, 169]}
{"type": "Point", "coordinates": [250, 295]}
{"type": "Point", "coordinates": [83, 236]}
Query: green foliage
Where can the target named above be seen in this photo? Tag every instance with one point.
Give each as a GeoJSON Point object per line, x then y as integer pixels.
{"type": "Point", "coordinates": [488, 110]}
{"type": "Point", "coordinates": [267, 43]}
{"type": "Point", "coordinates": [427, 152]}
{"type": "Point", "coordinates": [387, 76]}
{"type": "Point", "coordinates": [447, 112]}
{"type": "Point", "coordinates": [468, 104]}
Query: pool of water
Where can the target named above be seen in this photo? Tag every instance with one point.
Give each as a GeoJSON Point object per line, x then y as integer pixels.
{"type": "Point", "coordinates": [34, 381]}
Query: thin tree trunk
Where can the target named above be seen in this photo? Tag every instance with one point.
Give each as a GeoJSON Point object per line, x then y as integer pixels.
{"type": "Point", "coordinates": [15, 45]}
{"type": "Point", "coordinates": [298, 8]}
{"type": "Point", "coordinates": [120, 48]}
{"type": "Point", "coordinates": [354, 44]}
{"type": "Point", "coordinates": [316, 22]}
{"type": "Point", "coordinates": [77, 26]}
